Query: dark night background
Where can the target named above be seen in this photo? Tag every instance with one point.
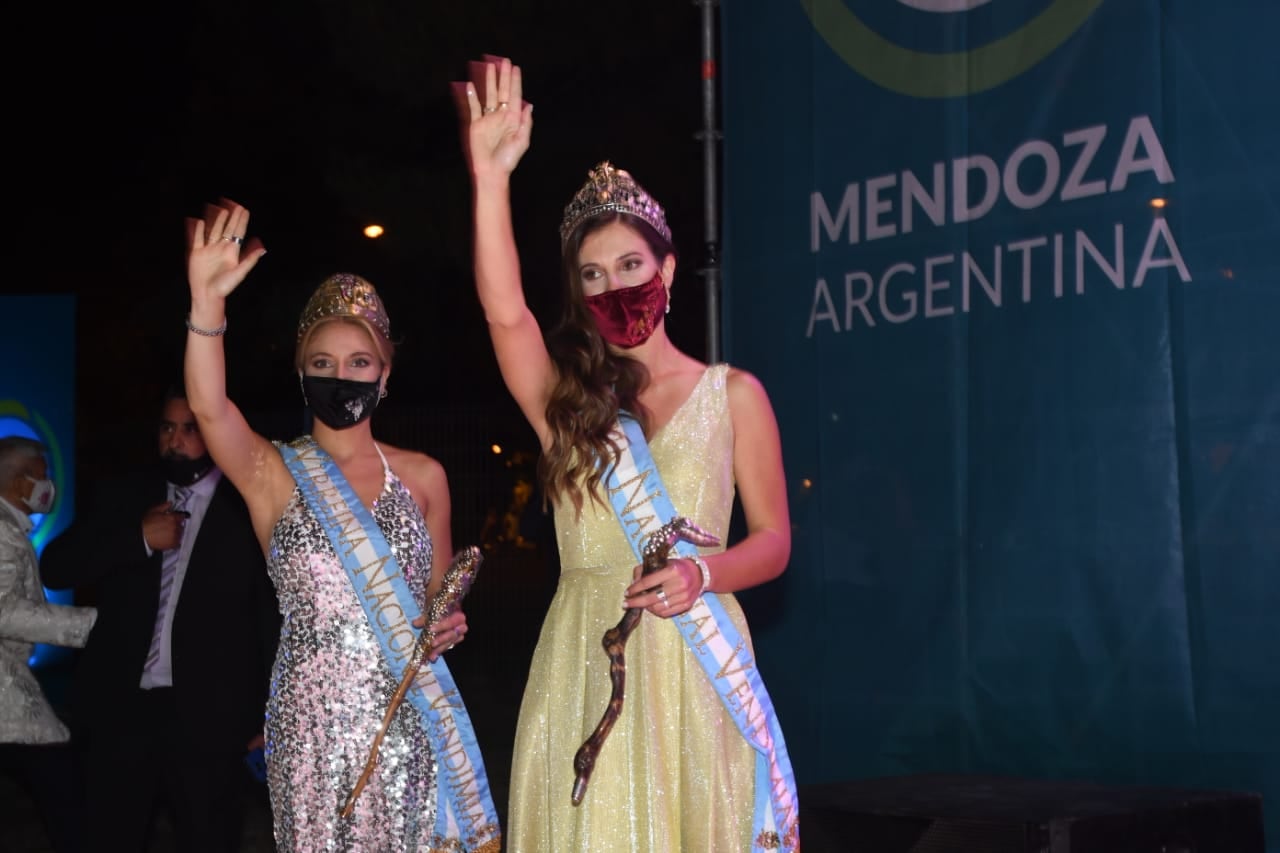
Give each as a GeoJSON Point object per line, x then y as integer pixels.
{"type": "Point", "coordinates": [322, 117]}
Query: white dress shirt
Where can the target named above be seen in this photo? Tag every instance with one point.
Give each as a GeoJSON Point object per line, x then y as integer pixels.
{"type": "Point", "coordinates": [161, 673]}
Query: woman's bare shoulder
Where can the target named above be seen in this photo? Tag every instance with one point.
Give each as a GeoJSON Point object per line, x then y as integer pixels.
{"type": "Point", "coordinates": [414, 466]}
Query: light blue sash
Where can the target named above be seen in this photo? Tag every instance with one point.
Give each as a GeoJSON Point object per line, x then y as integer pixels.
{"type": "Point", "coordinates": [465, 814]}
{"type": "Point", "coordinates": [640, 500]}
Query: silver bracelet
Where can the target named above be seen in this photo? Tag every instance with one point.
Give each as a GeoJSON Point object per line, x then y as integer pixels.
{"type": "Point", "coordinates": [697, 560]}
{"type": "Point", "coordinates": [208, 333]}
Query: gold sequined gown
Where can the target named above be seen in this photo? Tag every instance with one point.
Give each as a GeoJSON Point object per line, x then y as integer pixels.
{"type": "Point", "coordinates": [674, 773]}
{"type": "Point", "coordinates": [330, 688]}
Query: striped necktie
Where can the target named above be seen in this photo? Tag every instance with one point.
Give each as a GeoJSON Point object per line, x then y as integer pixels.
{"type": "Point", "coordinates": [168, 571]}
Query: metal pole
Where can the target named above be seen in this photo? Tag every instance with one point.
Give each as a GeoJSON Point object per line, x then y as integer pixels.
{"type": "Point", "coordinates": [710, 137]}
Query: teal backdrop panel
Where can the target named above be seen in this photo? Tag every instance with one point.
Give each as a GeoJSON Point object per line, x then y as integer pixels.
{"type": "Point", "coordinates": [1010, 272]}
{"type": "Point", "coordinates": [37, 400]}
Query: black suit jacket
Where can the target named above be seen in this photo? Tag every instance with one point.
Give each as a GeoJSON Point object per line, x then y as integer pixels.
{"type": "Point", "coordinates": [225, 629]}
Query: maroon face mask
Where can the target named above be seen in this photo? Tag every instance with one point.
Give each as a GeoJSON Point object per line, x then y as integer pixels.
{"type": "Point", "coordinates": [627, 317]}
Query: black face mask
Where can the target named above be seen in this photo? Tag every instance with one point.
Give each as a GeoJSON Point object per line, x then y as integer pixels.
{"type": "Point", "coordinates": [182, 471]}
{"type": "Point", "coordinates": [340, 403]}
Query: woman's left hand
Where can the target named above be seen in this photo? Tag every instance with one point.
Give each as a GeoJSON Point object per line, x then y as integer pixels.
{"type": "Point", "coordinates": [497, 121]}
{"type": "Point", "coordinates": [669, 591]}
{"type": "Point", "coordinates": [447, 633]}
{"type": "Point", "coordinates": [219, 255]}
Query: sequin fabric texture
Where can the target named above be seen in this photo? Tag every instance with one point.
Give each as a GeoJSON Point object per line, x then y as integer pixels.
{"type": "Point", "coordinates": [674, 774]}
{"type": "Point", "coordinates": [330, 688]}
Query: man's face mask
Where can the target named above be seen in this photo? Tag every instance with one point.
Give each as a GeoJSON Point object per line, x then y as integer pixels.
{"type": "Point", "coordinates": [182, 471]}
{"type": "Point", "coordinates": [42, 494]}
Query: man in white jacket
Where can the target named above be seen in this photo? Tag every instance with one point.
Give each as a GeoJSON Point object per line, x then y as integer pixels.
{"type": "Point", "coordinates": [33, 741]}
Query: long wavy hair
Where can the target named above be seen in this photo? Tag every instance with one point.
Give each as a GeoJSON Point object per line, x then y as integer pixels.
{"type": "Point", "coordinates": [592, 383]}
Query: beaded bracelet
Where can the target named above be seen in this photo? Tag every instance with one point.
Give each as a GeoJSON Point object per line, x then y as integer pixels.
{"type": "Point", "coordinates": [705, 569]}
{"type": "Point", "coordinates": [208, 333]}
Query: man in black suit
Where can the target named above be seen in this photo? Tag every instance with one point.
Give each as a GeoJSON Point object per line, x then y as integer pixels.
{"type": "Point", "coordinates": [169, 693]}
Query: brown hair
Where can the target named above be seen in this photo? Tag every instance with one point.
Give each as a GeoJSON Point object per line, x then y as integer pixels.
{"type": "Point", "coordinates": [592, 382]}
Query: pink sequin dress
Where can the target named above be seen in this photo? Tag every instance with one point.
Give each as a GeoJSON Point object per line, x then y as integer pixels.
{"type": "Point", "coordinates": [330, 688]}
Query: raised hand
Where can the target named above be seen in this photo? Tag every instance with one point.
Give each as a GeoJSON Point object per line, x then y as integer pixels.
{"type": "Point", "coordinates": [218, 256]}
{"type": "Point", "coordinates": [496, 129]}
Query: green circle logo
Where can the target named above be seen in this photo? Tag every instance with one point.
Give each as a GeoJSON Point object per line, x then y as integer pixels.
{"type": "Point", "coordinates": [944, 75]}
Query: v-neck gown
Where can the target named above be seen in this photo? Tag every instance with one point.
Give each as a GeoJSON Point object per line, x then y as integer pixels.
{"type": "Point", "coordinates": [330, 688]}
{"type": "Point", "coordinates": [674, 773]}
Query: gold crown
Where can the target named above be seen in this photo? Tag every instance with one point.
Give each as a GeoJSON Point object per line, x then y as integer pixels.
{"type": "Point", "coordinates": [610, 190]}
{"type": "Point", "coordinates": [345, 295]}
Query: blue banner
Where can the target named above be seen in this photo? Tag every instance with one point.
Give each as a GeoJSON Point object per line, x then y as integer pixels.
{"type": "Point", "coordinates": [1008, 269]}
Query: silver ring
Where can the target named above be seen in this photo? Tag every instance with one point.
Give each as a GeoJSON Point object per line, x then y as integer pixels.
{"type": "Point", "coordinates": [450, 647]}
{"type": "Point", "coordinates": [662, 596]}
{"type": "Point", "coordinates": [233, 238]}
{"type": "Point", "coordinates": [502, 105]}
{"type": "Point", "coordinates": [488, 110]}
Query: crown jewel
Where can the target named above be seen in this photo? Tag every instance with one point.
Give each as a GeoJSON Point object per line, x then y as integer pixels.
{"type": "Point", "coordinates": [345, 295]}
{"type": "Point", "coordinates": [612, 190]}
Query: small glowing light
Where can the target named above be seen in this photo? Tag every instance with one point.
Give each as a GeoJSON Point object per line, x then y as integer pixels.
{"type": "Point", "coordinates": [1158, 203]}
{"type": "Point", "coordinates": [497, 449]}
{"type": "Point", "coordinates": [807, 483]}
{"type": "Point", "coordinates": [373, 232]}
{"type": "Point", "coordinates": [1228, 273]}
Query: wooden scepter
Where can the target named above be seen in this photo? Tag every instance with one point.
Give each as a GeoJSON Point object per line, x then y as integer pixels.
{"type": "Point", "coordinates": [656, 551]}
{"type": "Point", "coordinates": [457, 582]}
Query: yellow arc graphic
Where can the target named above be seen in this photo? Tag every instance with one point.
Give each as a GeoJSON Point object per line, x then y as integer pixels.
{"type": "Point", "coordinates": [944, 75]}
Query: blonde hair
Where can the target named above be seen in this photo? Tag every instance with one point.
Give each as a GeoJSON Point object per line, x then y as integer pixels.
{"type": "Point", "coordinates": [386, 349]}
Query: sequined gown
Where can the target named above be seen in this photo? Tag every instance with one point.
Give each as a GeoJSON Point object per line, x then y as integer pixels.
{"type": "Point", "coordinates": [674, 774]}
{"type": "Point", "coordinates": [330, 688]}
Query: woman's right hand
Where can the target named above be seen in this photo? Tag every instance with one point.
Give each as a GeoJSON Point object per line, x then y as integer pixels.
{"type": "Point", "coordinates": [497, 121]}
{"type": "Point", "coordinates": [218, 255]}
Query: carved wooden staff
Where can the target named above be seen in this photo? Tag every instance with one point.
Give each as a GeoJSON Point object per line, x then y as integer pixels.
{"type": "Point", "coordinates": [457, 582]}
{"type": "Point", "coordinates": [656, 549]}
